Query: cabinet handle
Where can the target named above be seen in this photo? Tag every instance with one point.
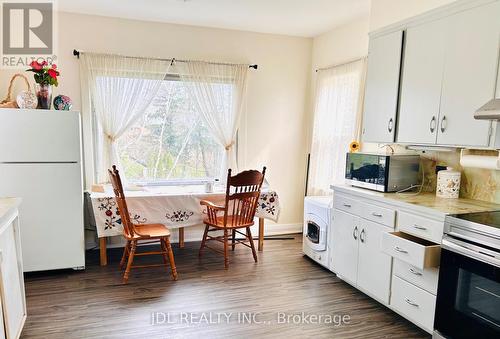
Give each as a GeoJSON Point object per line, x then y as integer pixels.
{"type": "Point", "coordinates": [377, 215]}
{"type": "Point", "coordinates": [361, 235]}
{"type": "Point", "coordinates": [443, 124]}
{"type": "Point", "coordinates": [390, 125]}
{"type": "Point", "coordinates": [414, 272]}
{"type": "Point", "coordinates": [432, 125]}
{"type": "Point", "coordinates": [420, 227]}
{"type": "Point", "coordinates": [347, 205]}
{"type": "Point", "coordinates": [355, 233]}
{"type": "Point", "coordinates": [412, 303]}
{"type": "Point", "coordinates": [400, 250]}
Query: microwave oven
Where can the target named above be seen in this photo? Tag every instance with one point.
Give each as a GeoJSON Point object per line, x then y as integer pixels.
{"type": "Point", "coordinates": [383, 173]}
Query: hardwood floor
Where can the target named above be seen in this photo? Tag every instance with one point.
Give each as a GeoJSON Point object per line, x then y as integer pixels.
{"type": "Point", "coordinates": [94, 304]}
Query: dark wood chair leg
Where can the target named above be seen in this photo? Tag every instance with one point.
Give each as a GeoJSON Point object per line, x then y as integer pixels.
{"type": "Point", "coordinates": [203, 241]}
{"type": "Point", "coordinates": [233, 240]}
{"type": "Point", "coordinates": [130, 261]}
{"type": "Point", "coordinates": [125, 254]}
{"type": "Point", "coordinates": [226, 259]}
{"type": "Point", "coordinates": [249, 234]}
{"type": "Point", "coordinates": [171, 258]}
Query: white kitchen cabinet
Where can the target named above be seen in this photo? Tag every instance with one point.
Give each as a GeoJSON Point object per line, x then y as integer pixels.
{"type": "Point", "coordinates": [470, 72]}
{"type": "Point", "coordinates": [374, 266]}
{"type": "Point", "coordinates": [414, 303]}
{"type": "Point", "coordinates": [382, 88]}
{"type": "Point", "coordinates": [449, 69]}
{"type": "Point", "coordinates": [356, 254]}
{"type": "Point", "coordinates": [371, 251]}
{"type": "Point", "coordinates": [345, 245]}
{"type": "Point", "coordinates": [421, 83]}
{"type": "Point", "coordinates": [12, 294]}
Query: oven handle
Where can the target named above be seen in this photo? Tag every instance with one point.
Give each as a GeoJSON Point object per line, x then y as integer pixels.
{"type": "Point", "coordinates": [472, 253]}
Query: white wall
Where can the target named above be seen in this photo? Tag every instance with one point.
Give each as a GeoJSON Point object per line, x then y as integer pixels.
{"type": "Point", "coordinates": [342, 44]}
{"type": "Point", "coordinates": [271, 134]}
{"type": "Point", "coordinates": [386, 12]}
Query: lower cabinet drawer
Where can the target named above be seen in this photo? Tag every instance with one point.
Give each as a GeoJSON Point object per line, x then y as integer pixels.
{"type": "Point", "coordinates": [408, 248]}
{"type": "Point", "coordinates": [415, 304]}
{"type": "Point", "coordinates": [421, 227]}
{"type": "Point", "coordinates": [343, 203]}
{"type": "Point", "coordinates": [379, 214]}
{"type": "Point", "coordinates": [426, 278]}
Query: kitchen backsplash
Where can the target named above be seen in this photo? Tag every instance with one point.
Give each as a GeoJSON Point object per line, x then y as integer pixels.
{"type": "Point", "coordinates": [476, 183]}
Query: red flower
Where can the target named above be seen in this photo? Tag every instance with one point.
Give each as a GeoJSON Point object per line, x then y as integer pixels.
{"type": "Point", "coordinates": [54, 66]}
{"type": "Point", "coordinates": [109, 213]}
{"type": "Point", "coordinates": [44, 63]}
{"type": "Point", "coordinates": [35, 65]}
{"type": "Point", "coordinates": [52, 73]}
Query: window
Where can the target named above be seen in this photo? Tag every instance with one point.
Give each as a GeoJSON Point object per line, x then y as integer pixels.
{"type": "Point", "coordinates": [170, 142]}
{"type": "Point", "coordinates": [336, 123]}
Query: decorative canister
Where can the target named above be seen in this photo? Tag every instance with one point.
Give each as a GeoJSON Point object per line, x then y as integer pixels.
{"type": "Point", "coordinates": [448, 184]}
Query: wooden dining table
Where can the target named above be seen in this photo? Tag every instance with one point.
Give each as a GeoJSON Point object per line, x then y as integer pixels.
{"type": "Point", "coordinates": [175, 206]}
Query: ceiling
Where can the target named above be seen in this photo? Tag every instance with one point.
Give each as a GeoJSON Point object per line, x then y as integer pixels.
{"type": "Point", "coordinates": [306, 18]}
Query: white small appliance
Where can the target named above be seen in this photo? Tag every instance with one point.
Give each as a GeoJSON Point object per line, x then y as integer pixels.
{"type": "Point", "coordinates": [317, 215]}
{"type": "Point", "coordinates": [40, 162]}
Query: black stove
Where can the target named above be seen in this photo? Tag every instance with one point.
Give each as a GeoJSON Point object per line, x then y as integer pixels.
{"type": "Point", "coordinates": [481, 228]}
{"type": "Point", "coordinates": [468, 295]}
{"type": "Point", "coordinates": [491, 219]}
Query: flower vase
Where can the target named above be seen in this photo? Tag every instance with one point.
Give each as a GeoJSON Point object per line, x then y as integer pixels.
{"type": "Point", "coordinates": [44, 95]}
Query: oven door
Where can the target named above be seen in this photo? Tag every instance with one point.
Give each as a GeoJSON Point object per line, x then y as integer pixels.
{"type": "Point", "coordinates": [468, 296]}
{"type": "Point", "coordinates": [315, 229]}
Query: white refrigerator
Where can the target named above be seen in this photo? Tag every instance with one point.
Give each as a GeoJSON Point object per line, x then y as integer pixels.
{"type": "Point", "coordinates": [40, 162]}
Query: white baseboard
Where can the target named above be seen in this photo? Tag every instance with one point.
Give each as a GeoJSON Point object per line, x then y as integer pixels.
{"type": "Point", "coordinates": [279, 229]}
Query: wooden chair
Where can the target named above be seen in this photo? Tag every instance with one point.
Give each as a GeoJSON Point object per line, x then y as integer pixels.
{"type": "Point", "coordinates": [144, 233]}
{"type": "Point", "coordinates": [242, 197]}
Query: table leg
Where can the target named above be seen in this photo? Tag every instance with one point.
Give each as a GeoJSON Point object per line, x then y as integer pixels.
{"type": "Point", "coordinates": [261, 234]}
{"type": "Point", "coordinates": [102, 251]}
{"type": "Point", "coordinates": [181, 237]}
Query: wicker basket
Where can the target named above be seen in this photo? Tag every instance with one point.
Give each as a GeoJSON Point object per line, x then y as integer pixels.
{"type": "Point", "coordinates": [8, 102]}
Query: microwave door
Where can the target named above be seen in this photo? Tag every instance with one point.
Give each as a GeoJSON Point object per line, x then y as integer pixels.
{"type": "Point", "coordinates": [366, 170]}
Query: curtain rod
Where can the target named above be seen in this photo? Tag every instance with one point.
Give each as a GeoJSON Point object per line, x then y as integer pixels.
{"type": "Point", "coordinates": [77, 54]}
{"type": "Point", "coordinates": [341, 64]}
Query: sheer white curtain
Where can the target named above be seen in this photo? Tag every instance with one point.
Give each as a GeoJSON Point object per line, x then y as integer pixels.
{"type": "Point", "coordinates": [120, 89]}
{"type": "Point", "coordinates": [337, 122]}
{"type": "Point", "coordinates": [218, 92]}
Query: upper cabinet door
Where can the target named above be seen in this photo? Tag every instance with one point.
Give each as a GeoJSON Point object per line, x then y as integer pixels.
{"type": "Point", "coordinates": [470, 70]}
{"type": "Point", "coordinates": [382, 87]}
{"type": "Point", "coordinates": [421, 83]}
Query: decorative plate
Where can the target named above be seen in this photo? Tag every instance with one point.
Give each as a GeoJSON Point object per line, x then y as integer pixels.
{"type": "Point", "coordinates": [26, 99]}
{"type": "Point", "coordinates": [63, 103]}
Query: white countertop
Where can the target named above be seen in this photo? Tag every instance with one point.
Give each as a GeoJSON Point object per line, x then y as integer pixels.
{"type": "Point", "coordinates": [424, 202]}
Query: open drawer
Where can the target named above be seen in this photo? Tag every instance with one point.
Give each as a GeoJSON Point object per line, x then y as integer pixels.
{"type": "Point", "coordinates": [408, 248]}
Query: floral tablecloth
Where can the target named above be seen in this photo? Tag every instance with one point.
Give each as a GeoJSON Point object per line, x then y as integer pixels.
{"type": "Point", "coordinates": [174, 206]}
